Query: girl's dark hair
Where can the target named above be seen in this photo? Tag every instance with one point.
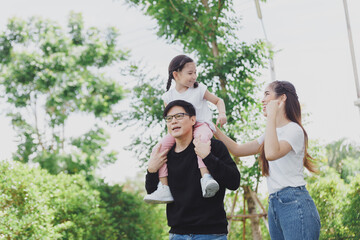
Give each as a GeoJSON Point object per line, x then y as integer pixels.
{"type": "Point", "coordinates": [293, 113]}
{"type": "Point", "coordinates": [177, 64]}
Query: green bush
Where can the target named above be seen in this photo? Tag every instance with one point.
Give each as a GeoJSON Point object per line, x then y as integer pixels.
{"type": "Point", "coordinates": [352, 208]}
{"type": "Point", "coordinates": [328, 192]}
{"type": "Point", "coordinates": [37, 205]}
{"type": "Point", "coordinates": [130, 216]}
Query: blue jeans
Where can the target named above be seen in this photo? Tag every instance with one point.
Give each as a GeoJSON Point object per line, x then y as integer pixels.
{"type": "Point", "coordinates": [197, 237]}
{"type": "Point", "coordinates": [293, 215]}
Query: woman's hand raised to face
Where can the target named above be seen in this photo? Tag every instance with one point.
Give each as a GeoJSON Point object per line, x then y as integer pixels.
{"type": "Point", "coordinates": [157, 159]}
{"type": "Point", "coordinates": [273, 107]}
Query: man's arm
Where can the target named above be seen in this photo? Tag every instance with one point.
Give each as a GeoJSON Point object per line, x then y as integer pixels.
{"type": "Point", "coordinates": [220, 165]}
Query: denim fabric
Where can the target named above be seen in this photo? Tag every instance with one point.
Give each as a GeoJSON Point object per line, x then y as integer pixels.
{"type": "Point", "coordinates": [197, 237]}
{"type": "Point", "coordinates": [293, 215]}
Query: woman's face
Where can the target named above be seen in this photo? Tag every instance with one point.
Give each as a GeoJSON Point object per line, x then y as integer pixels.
{"type": "Point", "coordinates": [269, 95]}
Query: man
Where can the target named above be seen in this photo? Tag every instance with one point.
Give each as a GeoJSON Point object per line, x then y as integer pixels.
{"type": "Point", "coordinates": [191, 216]}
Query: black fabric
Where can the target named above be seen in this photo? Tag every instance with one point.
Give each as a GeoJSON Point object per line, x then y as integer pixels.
{"type": "Point", "coordinates": [191, 213]}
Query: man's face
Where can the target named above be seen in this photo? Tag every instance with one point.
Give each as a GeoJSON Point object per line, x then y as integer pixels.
{"type": "Point", "coordinates": [182, 126]}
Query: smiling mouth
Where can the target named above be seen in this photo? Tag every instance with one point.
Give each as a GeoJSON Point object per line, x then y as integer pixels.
{"type": "Point", "coordinates": [175, 128]}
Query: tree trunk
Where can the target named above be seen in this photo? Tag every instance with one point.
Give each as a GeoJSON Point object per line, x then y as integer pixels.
{"type": "Point", "coordinates": [255, 222]}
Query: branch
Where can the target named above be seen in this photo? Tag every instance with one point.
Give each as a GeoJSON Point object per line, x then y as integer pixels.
{"type": "Point", "coordinates": [220, 7]}
{"type": "Point", "coordinates": [36, 125]}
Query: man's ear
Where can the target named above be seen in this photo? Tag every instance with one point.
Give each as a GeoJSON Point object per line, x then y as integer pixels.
{"type": "Point", "coordinates": [193, 120]}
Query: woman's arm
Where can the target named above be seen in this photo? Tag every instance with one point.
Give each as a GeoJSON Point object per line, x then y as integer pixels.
{"type": "Point", "coordinates": [274, 149]}
{"type": "Point", "coordinates": [238, 150]}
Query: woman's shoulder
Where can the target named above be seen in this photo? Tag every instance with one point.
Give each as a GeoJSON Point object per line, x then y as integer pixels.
{"type": "Point", "coordinates": [294, 125]}
{"type": "Point", "coordinates": [294, 128]}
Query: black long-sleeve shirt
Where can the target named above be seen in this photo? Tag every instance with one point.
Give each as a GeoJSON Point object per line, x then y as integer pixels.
{"type": "Point", "coordinates": [191, 213]}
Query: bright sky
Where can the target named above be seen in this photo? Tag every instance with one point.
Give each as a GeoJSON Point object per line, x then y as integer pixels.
{"type": "Point", "coordinates": [312, 51]}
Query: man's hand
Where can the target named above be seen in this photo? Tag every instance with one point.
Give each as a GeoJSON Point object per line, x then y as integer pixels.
{"type": "Point", "coordinates": [157, 159]}
{"type": "Point", "coordinates": [202, 149]}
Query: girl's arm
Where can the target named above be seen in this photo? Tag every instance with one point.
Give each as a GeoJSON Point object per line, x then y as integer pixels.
{"type": "Point", "coordinates": [219, 103]}
{"type": "Point", "coordinates": [238, 150]}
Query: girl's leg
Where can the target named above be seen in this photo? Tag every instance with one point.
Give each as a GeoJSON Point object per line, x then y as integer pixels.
{"type": "Point", "coordinates": [162, 194]}
{"type": "Point", "coordinates": [202, 131]}
{"type": "Point", "coordinates": [166, 143]}
{"type": "Point", "coordinates": [208, 184]}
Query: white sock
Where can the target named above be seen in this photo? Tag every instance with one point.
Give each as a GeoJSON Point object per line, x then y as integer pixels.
{"type": "Point", "coordinates": [207, 175]}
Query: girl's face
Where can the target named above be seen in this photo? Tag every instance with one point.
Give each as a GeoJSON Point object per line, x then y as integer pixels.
{"type": "Point", "coordinates": [187, 76]}
{"type": "Point", "coordinates": [269, 95]}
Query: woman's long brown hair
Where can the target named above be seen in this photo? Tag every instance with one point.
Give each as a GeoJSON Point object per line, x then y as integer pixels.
{"type": "Point", "coordinates": [293, 113]}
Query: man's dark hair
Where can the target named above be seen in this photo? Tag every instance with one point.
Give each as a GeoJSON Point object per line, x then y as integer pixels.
{"type": "Point", "coordinates": [188, 107]}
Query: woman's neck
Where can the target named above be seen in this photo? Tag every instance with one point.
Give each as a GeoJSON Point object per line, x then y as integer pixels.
{"type": "Point", "coordinates": [281, 120]}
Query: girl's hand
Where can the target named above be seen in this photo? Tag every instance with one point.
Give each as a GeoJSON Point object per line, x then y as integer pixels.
{"type": "Point", "coordinates": [157, 159]}
{"type": "Point", "coordinates": [202, 149]}
{"type": "Point", "coordinates": [221, 119]}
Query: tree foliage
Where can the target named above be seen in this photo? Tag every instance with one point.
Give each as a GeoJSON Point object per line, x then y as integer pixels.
{"type": "Point", "coordinates": [37, 205]}
{"type": "Point", "coordinates": [228, 66]}
{"type": "Point", "coordinates": [336, 189]}
{"type": "Point", "coordinates": [343, 156]}
{"type": "Point", "coordinates": [351, 217]}
{"type": "Point", "coordinates": [48, 74]}
{"type": "Point", "coordinates": [328, 192]}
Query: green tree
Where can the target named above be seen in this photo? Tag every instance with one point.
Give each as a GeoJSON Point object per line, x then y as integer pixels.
{"type": "Point", "coordinates": [343, 156]}
{"type": "Point", "coordinates": [47, 74]}
{"type": "Point", "coordinates": [206, 29]}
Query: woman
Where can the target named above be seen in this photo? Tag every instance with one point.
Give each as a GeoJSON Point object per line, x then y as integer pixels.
{"type": "Point", "coordinates": [283, 152]}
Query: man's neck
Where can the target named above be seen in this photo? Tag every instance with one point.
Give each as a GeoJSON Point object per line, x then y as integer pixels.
{"type": "Point", "coordinates": [182, 143]}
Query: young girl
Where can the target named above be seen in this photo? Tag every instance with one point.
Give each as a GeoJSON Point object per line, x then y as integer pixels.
{"type": "Point", "coordinates": [283, 154]}
{"type": "Point", "coordinates": [183, 70]}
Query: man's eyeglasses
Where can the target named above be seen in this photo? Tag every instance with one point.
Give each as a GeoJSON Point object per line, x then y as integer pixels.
{"type": "Point", "coordinates": [178, 116]}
